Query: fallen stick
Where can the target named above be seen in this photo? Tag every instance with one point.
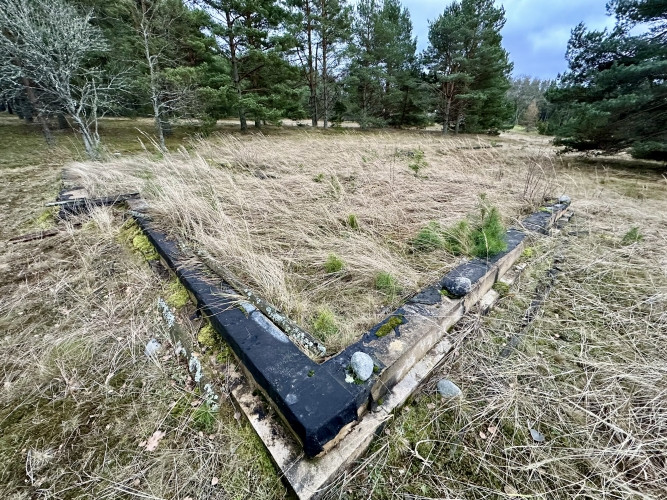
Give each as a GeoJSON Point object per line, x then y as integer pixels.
{"type": "Point", "coordinates": [39, 235]}
{"type": "Point", "coordinates": [108, 200]}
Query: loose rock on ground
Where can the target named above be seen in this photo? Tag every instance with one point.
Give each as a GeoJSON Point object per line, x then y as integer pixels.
{"type": "Point", "coordinates": [448, 389]}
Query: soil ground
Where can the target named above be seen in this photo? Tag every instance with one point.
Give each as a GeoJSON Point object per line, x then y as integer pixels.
{"type": "Point", "coordinates": [80, 401]}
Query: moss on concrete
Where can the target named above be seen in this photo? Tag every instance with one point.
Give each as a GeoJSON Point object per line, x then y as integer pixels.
{"type": "Point", "coordinates": [132, 234]}
{"type": "Point", "coordinates": [392, 323]}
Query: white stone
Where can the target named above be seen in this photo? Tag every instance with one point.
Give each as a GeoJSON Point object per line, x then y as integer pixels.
{"type": "Point", "coordinates": [362, 365]}
{"type": "Point", "coordinates": [448, 389]}
{"type": "Point", "coordinates": [152, 348]}
{"type": "Point", "coordinates": [564, 199]}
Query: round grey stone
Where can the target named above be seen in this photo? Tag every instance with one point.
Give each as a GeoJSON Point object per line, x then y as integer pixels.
{"type": "Point", "coordinates": [459, 286]}
{"type": "Point", "coordinates": [362, 365]}
{"type": "Point", "coordinates": [448, 389]}
{"type": "Point", "coordinates": [564, 199]}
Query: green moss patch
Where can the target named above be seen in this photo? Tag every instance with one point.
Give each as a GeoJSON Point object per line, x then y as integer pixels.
{"type": "Point", "coordinates": [390, 325]}
{"type": "Point", "coordinates": [132, 234]}
{"type": "Point", "coordinates": [177, 294]}
{"type": "Point", "coordinates": [207, 336]}
{"type": "Point", "coordinates": [502, 288]}
{"type": "Point", "coordinates": [46, 219]}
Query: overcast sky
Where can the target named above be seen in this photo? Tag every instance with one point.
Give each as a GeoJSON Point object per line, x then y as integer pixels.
{"type": "Point", "coordinates": [536, 32]}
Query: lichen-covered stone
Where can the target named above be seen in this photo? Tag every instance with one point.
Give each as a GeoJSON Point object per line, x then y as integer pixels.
{"type": "Point", "coordinates": [448, 389]}
{"type": "Point", "coordinates": [458, 286]}
{"type": "Point", "coordinates": [362, 365]}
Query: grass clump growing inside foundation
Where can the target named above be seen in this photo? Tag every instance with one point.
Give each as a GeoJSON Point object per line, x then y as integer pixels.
{"type": "Point", "coordinates": [333, 264]}
{"type": "Point", "coordinates": [387, 284]}
{"type": "Point", "coordinates": [632, 236]}
{"type": "Point", "coordinates": [430, 237]}
{"type": "Point", "coordinates": [457, 239]}
{"type": "Point", "coordinates": [325, 323]}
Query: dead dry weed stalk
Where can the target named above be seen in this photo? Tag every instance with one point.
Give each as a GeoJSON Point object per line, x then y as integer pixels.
{"type": "Point", "coordinates": [273, 209]}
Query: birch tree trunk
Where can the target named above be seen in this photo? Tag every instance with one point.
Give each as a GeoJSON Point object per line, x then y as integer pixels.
{"type": "Point", "coordinates": [152, 71]}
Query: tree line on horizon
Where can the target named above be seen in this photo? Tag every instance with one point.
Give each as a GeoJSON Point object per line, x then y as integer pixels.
{"type": "Point", "coordinates": [325, 61]}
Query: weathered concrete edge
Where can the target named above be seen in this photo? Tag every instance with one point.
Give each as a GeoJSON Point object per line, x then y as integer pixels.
{"type": "Point", "coordinates": [308, 477]}
{"type": "Point", "coordinates": [314, 400]}
{"type": "Point", "coordinates": [319, 425]}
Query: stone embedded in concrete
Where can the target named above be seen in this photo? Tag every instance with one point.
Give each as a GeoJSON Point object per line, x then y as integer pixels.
{"type": "Point", "coordinates": [362, 365]}
{"type": "Point", "coordinates": [462, 278]}
{"type": "Point", "coordinates": [458, 286]}
{"type": "Point", "coordinates": [448, 389]}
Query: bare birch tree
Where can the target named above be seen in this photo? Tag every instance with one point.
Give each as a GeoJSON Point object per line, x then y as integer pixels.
{"type": "Point", "coordinates": [46, 48]}
{"type": "Point", "coordinates": [168, 96]}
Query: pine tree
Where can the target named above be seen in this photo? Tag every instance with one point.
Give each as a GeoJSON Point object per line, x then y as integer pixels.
{"type": "Point", "coordinates": [614, 95]}
{"type": "Point", "coordinates": [468, 67]}
{"type": "Point", "coordinates": [383, 80]}
{"type": "Point", "coordinates": [319, 30]}
{"type": "Point", "coordinates": [247, 36]}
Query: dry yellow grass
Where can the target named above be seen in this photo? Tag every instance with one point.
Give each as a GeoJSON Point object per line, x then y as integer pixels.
{"type": "Point", "coordinates": [273, 209]}
{"type": "Point", "coordinates": [78, 395]}
{"type": "Point", "coordinates": [589, 373]}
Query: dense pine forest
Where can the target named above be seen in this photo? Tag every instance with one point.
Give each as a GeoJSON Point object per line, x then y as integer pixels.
{"type": "Point", "coordinates": [66, 63]}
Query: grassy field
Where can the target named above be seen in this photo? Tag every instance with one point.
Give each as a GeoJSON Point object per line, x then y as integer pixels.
{"type": "Point", "coordinates": [80, 400]}
{"type": "Point", "coordinates": [333, 229]}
